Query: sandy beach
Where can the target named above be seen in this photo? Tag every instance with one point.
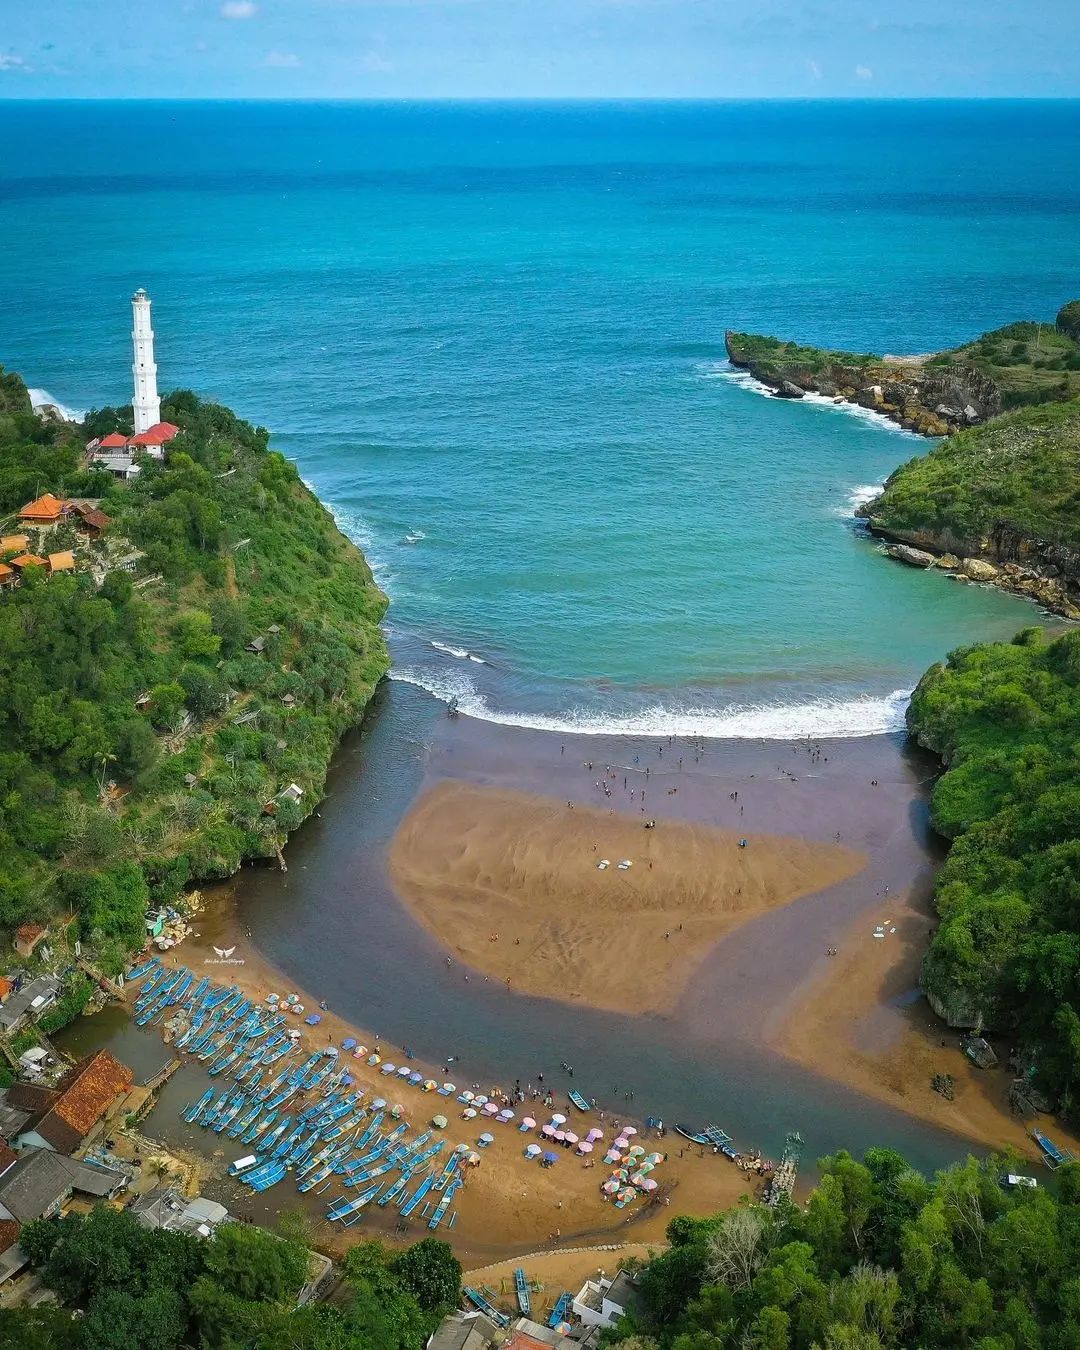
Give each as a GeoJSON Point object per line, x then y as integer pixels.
{"type": "Point", "coordinates": [509, 1204]}
{"type": "Point", "coordinates": [528, 890]}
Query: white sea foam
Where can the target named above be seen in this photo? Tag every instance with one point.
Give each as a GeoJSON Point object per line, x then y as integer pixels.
{"type": "Point", "coordinates": [824, 718]}
{"type": "Point", "coordinates": [462, 653]}
{"type": "Point", "coordinates": [40, 397]}
{"type": "Point", "coordinates": [723, 370]}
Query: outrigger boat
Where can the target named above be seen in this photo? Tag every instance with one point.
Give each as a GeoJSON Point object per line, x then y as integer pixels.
{"type": "Point", "coordinates": [1053, 1156]}
{"type": "Point", "coordinates": [695, 1136]}
{"type": "Point", "coordinates": [444, 1203]}
{"type": "Point", "coordinates": [561, 1310]}
{"type": "Point", "coordinates": [193, 1112]}
{"type": "Point", "coordinates": [521, 1288]}
{"type": "Point", "coordinates": [486, 1307]}
{"type": "Point", "coordinates": [417, 1195]}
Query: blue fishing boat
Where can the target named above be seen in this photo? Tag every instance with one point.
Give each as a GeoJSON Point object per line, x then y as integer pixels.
{"type": "Point", "coordinates": [343, 1209]}
{"type": "Point", "coordinates": [193, 1112]}
{"type": "Point", "coordinates": [243, 1165]}
{"type": "Point", "coordinates": [521, 1288]}
{"type": "Point", "coordinates": [416, 1197]}
{"type": "Point", "coordinates": [561, 1310]}
{"type": "Point", "coordinates": [211, 1115]}
{"type": "Point", "coordinates": [485, 1305]}
{"type": "Point", "coordinates": [232, 1110]}
{"type": "Point", "coordinates": [444, 1204]}
{"type": "Point", "coordinates": [579, 1101]}
{"type": "Point", "coordinates": [259, 1127]}
{"type": "Point", "coordinates": [246, 1117]}
{"type": "Point", "coordinates": [137, 972]}
{"type": "Point", "coordinates": [392, 1192]}
{"type": "Point", "coordinates": [1053, 1156]}
{"type": "Point", "coordinates": [314, 1179]}
{"type": "Point", "coordinates": [287, 1141]}
{"type": "Point", "coordinates": [449, 1168]}
{"type": "Point", "coordinates": [269, 1178]}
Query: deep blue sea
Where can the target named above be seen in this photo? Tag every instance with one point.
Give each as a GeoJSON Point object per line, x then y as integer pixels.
{"type": "Point", "coordinates": [491, 336]}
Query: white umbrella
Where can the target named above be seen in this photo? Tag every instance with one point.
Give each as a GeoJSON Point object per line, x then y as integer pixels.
{"type": "Point", "coordinates": [559, 1120]}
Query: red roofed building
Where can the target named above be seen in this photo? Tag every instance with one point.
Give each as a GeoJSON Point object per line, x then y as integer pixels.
{"type": "Point", "coordinates": [63, 1116]}
{"type": "Point", "coordinates": [115, 440]}
{"type": "Point", "coordinates": [27, 937]}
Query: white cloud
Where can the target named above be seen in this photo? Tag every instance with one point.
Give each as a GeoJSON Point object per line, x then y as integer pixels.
{"type": "Point", "coordinates": [9, 61]}
{"type": "Point", "coordinates": [863, 73]}
{"type": "Point", "coordinates": [283, 60]}
{"type": "Point", "coordinates": [239, 9]}
{"type": "Point", "coordinates": [376, 64]}
{"type": "Point", "coordinates": [814, 69]}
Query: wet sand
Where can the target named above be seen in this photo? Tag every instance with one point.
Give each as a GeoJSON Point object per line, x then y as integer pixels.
{"type": "Point", "coordinates": [528, 890]}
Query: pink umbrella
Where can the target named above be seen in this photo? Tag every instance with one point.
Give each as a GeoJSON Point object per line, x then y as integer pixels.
{"type": "Point", "coordinates": [610, 1187]}
{"type": "Point", "coordinates": [548, 1131]}
{"type": "Point", "coordinates": [571, 1137]}
{"type": "Point", "coordinates": [560, 1135]}
{"type": "Point", "coordinates": [628, 1129]}
{"type": "Point", "coordinates": [649, 1185]}
{"type": "Point", "coordinates": [612, 1157]}
{"type": "Point", "coordinates": [584, 1147]}
{"type": "Point", "coordinates": [594, 1134]}
{"type": "Point", "coordinates": [621, 1143]}
{"type": "Point", "coordinates": [527, 1123]}
{"type": "Point", "coordinates": [491, 1108]}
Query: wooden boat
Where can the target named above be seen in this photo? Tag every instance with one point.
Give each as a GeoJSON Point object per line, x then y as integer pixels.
{"type": "Point", "coordinates": [695, 1136]}
{"type": "Point", "coordinates": [259, 1127]}
{"type": "Point", "coordinates": [268, 1178]}
{"type": "Point", "coordinates": [242, 1165]}
{"type": "Point", "coordinates": [194, 1111]}
{"type": "Point", "coordinates": [344, 1209]}
{"type": "Point", "coordinates": [1053, 1156]}
{"type": "Point", "coordinates": [416, 1197]}
{"type": "Point", "coordinates": [521, 1288]}
{"type": "Point", "coordinates": [486, 1306]}
{"type": "Point", "coordinates": [444, 1203]}
{"type": "Point", "coordinates": [561, 1310]}
{"type": "Point", "coordinates": [139, 971]}
{"type": "Point", "coordinates": [579, 1101]}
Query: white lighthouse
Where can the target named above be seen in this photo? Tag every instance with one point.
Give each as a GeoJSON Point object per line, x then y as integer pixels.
{"type": "Point", "coordinates": [146, 403]}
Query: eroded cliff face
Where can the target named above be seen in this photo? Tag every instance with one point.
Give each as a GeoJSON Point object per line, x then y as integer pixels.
{"type": "Point", "coordinates": [1038, 569]}
{"type": "Point", "coordinates": [930, 400]}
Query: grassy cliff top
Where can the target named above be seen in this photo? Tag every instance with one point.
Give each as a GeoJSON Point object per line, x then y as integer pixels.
{"type": "Point", "coordinates": [1029, 362]}
{"type": "Point", "coordinates": [1022, 468]}
{"type": "Point", "coordinates": [146, 680]}
{"type": "Point", "coordinates": [780, 357]}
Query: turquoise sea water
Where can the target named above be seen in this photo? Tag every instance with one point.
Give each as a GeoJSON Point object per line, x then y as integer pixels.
{"type": "Point", "coordinates": [498, 330]}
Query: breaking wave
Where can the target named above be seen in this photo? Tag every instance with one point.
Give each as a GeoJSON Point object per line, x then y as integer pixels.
{"type": "Point", "coordinates": [723, 370]}
{"type": "Point", "coordinates": [462, 653]}
{"type": "Point", "coordinates": [40, 398]}
{"type": "Point", "coordinates": [824, 718]}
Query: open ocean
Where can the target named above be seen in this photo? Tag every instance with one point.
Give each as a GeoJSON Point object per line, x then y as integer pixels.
{"type": "Point", "coordinates": [496, 330]}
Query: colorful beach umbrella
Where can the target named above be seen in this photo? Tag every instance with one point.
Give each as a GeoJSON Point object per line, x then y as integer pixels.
{"type": "Point", "coordinates": [637, 1151]}
{"type": "Point", "coordinates": [486, 1138]}
{"type": "Point", "coordinates": [551, 1157]}
{"type": "Point", "coordinates": [467, 1096]}
{"type": "Point", "coordinates": [527, 1123]}
{"type": "Point", "coordinates": [473, 1158]}
{"type": "Point", "coordinates": [560, 1136]}
{"type": "Point", "coordinates": [532, 1150]}
{"type": "Point", "coordinates": [491, 1108]}
{"type": "Point", "coordinates": [416, 1078]}
{"type": "Point", "coordinates": [479, 1099]}
{"type": "Point", "coordinates": [388, 1068]}
{"type": "Point", "coordinates": [396, 1111]}
{"type": "Point", "coordinates": [610, 1187]}
{"type": "Point", "coordinates": [360, 1052]}
{"type": "Point", "coordinates": [404, 1071]}
{"type": "Point", "coordinates": [548, 1131]}
{"type": "Point", "coordinates": [461, 1148]}
{"type": "Point", "coordinates": [621, 1143]}
{"type": "Point", "coordinates": [628, 1129]}
{"type": "Point", "coordinates": [468, 1114]}
{"type": "Point", "coordinates": [430, 1085]}
{"type": "Point", "coordinates": [439, 1122]}
{"type": "Point", "coordinates": [559, 1120]}
{"type": "Point", "coordinates": [649, 1185]}
{"type": "Point", "coordinates": [571, 1137]}
{"type": "Point", "coordinates": [449, 1087]}
{"type": "Point", "coordinates": [594, 1134]}
{"type": "Point", "coordinates": [506, 1115]}
{"type": "Point", "coordinates": [584, 1147]}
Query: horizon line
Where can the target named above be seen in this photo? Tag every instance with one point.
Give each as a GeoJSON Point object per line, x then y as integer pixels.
{"type": "Point", "coordinates": [544, 98]}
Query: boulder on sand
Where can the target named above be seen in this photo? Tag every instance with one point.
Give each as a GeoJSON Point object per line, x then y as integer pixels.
{"type": "Point", "coordinates": [914, 557]}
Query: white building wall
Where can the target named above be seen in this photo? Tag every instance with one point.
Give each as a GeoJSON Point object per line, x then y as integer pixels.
{"type": "Point", "coordinates": [146, 403]}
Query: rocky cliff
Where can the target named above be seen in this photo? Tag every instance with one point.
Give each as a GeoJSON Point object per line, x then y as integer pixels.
{"type": "Point", "coordinates": [932, 399]}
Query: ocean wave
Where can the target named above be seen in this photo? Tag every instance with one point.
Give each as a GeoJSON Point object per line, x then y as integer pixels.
{"type": "Point", "coordinates": [856, 497]}
{"type": "Point", "coordinates": [723, 370]}
{"type": "Point", "coordinates": [821, 718]}
{"type": "Point", "coordinates": [462, 653]}
{"type": "Point", "coordinates": [40, 397]}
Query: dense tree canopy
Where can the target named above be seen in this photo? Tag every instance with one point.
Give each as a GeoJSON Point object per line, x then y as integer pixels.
{"type": "Point", "coordinates": [879, 1258]}
{"type": "Point", "coordinates": [1005, 717]}
{"type": "Point", "coordinates": [143, 1289]}
{"type": "Point", "coordinates": [141, 681]}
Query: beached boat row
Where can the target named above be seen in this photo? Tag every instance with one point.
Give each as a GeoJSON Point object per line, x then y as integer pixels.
{"type": "Point", "coordinates": [307, 1120]}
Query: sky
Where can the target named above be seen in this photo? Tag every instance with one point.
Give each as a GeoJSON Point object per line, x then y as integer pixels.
{"type": "Point", "coordinates": [538, 48]}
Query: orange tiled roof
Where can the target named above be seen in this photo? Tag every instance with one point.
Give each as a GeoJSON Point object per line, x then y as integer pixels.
{"type": "Point", "coordinates": [29, 932]}
{"type": "Point", "coordinates": [113, 441]}
{"type": "Point", "coordinates": [5, 987]}
{"type": "Point", "coordinates": [159, 434]}
{"type": "Point", "coordinates": [82, 1099]}
{"type": "Point", "coordinates": [45, 508]}
{"type": "Point", "coordinates": [5, 572]}
{"type": "Point", "coordinates": [28, 560]}
{"type": "Point", "coordinates": [61, 562]}
{"type": "Point", "coordinates": [14, 543]}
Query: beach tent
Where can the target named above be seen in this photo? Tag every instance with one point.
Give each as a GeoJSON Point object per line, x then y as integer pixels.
{"type": "Point", "coordinates": [374, 1059]}
{"type": "Point", "coordinates": [527, 1123]}
{"type": "Point", "coordinates": [396, 1111]}
{"type": "Point", "coordinates": [473, 1159]}
{"type": "Point", "coordinates": [439, 1122]}
{"type": "Point", "coordinates": [532, 1150]}
{"type": "Point", "coordinates": [486, 1139]}
{"type": "Point", "coordinates": [388, 1068]}
{"type": "Point", "coordinates": [461, 1148]}
{"type": "Point", "coordinates": [404, 1071]}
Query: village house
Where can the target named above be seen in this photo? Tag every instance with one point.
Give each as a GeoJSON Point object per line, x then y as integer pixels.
{"type": "Point", "coordinates": [27, 1005]}
{"type": "Point", "coordinates": [46, 512]}
{"type": "Point", "coordinates": [164, 1207]}
{"type": "Point", "coordinates": [25, 560]}
{"type": "Point", "coordinates": [600, 1303]}
{"type": "Point", "coordinates": [61, 562]}
{"type": "Point", "coordinates": [8, 575]}
{"type": "Point", "coordinates": [150, 442]}
{"type": "Point", "coordinates": [61, 1117]}
{"type": "Point", "coordinates": [14, 543]}
{"type": "Point", "coordinates": [91, 519]}
{"type": "Point", "coordinates": [119, 464]}
{"type": "Point", "coordinates": [27, 938]}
